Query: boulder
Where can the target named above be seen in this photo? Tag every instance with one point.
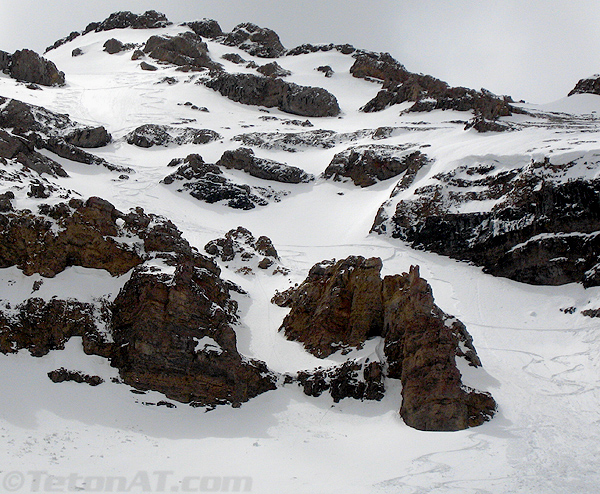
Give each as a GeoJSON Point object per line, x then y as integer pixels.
{"type": "Point", "coordinates": [185, 49]}
{"type": "Point", "coordinates": [63, 375]}
{"type": "Point", "coordinates": [148, 67]}
{"type": "Point", "coordinates": [113, 46]}
{"type": "Point", "coordinates": [257, 41]}
{"type": "Point", "coordinates": [89, 137]}
{"type": "Point", "coordinates": [273, 69]}
{"type": "Point", "coordinates": [240, 243]}
{"type": "Point", "coordinates": [149, 135]}
{"type": "Point", "coordinates": [244, 159]}
{"type": "Point", "coordinates": [207, 28]}
{"type": "Point", "coordinates": [234, 58]}
{"type": "Point", "coordinates": [368, 164]}
{"type": "Point", "coordinates": [326, 69]}
{"type": "Point", "coordinates": [27, 65]}
{"type": "Point", "coordinates": [250, 89]}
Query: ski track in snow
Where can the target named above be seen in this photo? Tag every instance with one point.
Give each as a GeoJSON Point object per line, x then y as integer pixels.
{"type": "Point", "coordinates": [542, 366]}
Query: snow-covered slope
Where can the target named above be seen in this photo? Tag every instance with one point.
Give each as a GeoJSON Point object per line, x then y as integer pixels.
{"type": "Point", "coordinates": [541, 355]}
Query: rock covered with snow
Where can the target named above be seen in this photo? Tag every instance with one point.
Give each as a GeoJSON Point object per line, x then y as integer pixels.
{"type": "Point", "coordinates": [244, 159]}
{"type": "Point", "coordinates": [589, 85]}
{"type": "Point", "coordinates": [368, 164]}
{"type": "Point", "coordinates": [257, 41]}
{"type": "Point", "coordinates": [148, 135]}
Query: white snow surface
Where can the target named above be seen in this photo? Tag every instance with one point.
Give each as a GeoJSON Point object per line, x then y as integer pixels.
{"type": "Point", "coordinates": [541, 365]}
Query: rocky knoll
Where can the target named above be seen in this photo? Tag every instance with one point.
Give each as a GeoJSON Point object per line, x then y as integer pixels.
{"type": "Point", "coordinates": [342, 304]}
{"type": "Point", "coordinates": [426, 92]}
{"type": "Point", "coordinates": [28, 66]}
{"type": "Point", "coordinates": [56, 132]}
{"type": "Point", "coordinates": [541, 227]}
{"type": "Point", "coordinates": [368, 164]}
{"type": "Point", "coordinates": [205, 182]}
{"type": "Point", "coordinates": [244, 159]}
{"type": "Point", "coordinates": [186, 50]}
{"type": "Point", "coordinates": [250, 89]}
{"type": "Point", "coordinates": [148, 135]}
{"type": "Point", "coordinates": [169, 328]}
{"type": "Point", "coordinates": [257, 41]}
{"type": "Point", "coordinates": [207, 28]}
{"type": "Point", "coordinates": [589, 85]}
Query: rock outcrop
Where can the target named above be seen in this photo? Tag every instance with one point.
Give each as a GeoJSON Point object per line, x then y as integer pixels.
{"type": "Point", "coordinates": [426, 92]}
{"type": "Point", "coordinates": [273, 69]}
{"type": "Point", "coordinates": [542, 227]}
{"type": "Point", "coordinates": [309, 48]}
{"type": "Point", "coordinates": [151, 19]}
{"type": "Point", "coordinates": [360, 380]}
{"type": "Point", "coordinates": [250, 89]}
{"type": "Point", "coordinates": [148, 135]}
{"type": "Point", "coordinates": [205, 181]}
{"type": "Point", "coordinates": [207, 28]}
{"type": "Point", "coordinates": [589, 85]}
{"type": "Point", "coordinates": [186, 50]}
{"type": "Point", "coordinates": [244, 159]}
{"type": "Point", "coordinates": [368, 164]}
{"type": "Point", "coordinates": [28, 66]}
{"type": "Point", "coordinates": [257, 41]}
{"type": "Point", "coordinates": [342, 304]}
{"type": "Point", "coordinates": [169, 328]}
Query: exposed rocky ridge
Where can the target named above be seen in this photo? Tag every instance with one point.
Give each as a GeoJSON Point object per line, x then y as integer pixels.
{"type": "Point", "coordinates": [148, 135]}
{"type": "Point", "coordinates": [250, 89]}
{"type": "Point", "coordinates": [28, 66]}
{"type": "Point", "coordinates": [542, 228]}
{"type": "Point", "coordinates": [62, 375]}
{"type": "Point", "coordinates": [186, 50]}
{"type": "Point", "coordinates": [205, 181]}
{"type": "Point", "coordinates": [257, 41]}
{"type": "Point", "coordinates": [589, 85]}
{"type": "Point", "coordinates": [361, 380]}
{"type": "Point", "coordinates": [309, 48]}
{"type": "Point", "coordinates": [298, 141]}
{"type": "Point", "coordinates": [169, 328]}
{"type": "Point", "coordinates": [341, 304]}
{"type": "Point", "coordinates": [426, 92]}
{"type": "Point", "coordinates": [368, 164]}
{"type": "Point", "coordinates": [207, 28]}
{"type": "Point", "coordinates": [244, 159]}
{"type": "Point", "coordinates": [118, 20]}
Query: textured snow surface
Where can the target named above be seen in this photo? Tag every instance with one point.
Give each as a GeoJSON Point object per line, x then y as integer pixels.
{"type": "Point", "coordinates": [541, 365]}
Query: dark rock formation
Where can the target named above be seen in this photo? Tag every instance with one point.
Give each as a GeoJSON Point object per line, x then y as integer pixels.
{"type": "Point", "coordinates": [149, 135]}
{"type": "Point", "coordinates": [43, 129]}
{"type": "Point", "coordinates": [542, 229]}
{"type": "Point", "coordinates": [122, 20]}
{"type": "Point", "coordinates": [148, 67]}
{"type": "Point", "coordinates": [206, 182]}
{"type": "Point", "coordinates": [28, 66]}
{"type": "Point", "coordinates": [240, 243]}
{"type": "Point", "coordinates": [427, 93]}
{"type": "Point", "coordinates": [62, 375]}
{"type": "Point", "coordinates": [326, 69]}
{"type": "Point", "coordinates": [169, 328]}
{"type": "Point", "coordinates": [186, 50]}
{"type": "Point", "coordinates": [257, 41]}
{"type": "Point", "coordinates": [308, 48]}
{"type": "Point", "coordinates": [590, 85]}
{"type": "Point", "coordinates": [207, 28]}
{"type": "Point", "coordinates": [234, 58]}
{"type": "Point", "coordinates": [113, 46]}
{"type": "Point", "coordinates": [244, 159]}
{"type": "Point", "coordinates": [352, 379]}
{"type": "Point", "coordinates": [342, 304]}
{"type": "Point", "coordinates": [5, 60]}
{"type": "Point", "coordinates": [366, 165]}
{"type": "Point", "coordinates": [62, 41]}
{"type": "Point", "coordinates": [273, 69]}
{"type": "Point", "coordinates": [250, 89]}
{"type": "Point", "coordinates": [77, 52]}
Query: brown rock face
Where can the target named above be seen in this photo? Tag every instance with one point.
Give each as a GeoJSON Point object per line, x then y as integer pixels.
{"type": "Point", "coordinates": [342, 304]}
{"type": "Point", "coordinates": [421, 345]}
{"type": "Point", "coordinates": [186, 50]}
{"type": "Point", "coordinates": [339, 305]}
{"type": "Point", "coordinates": [591, 85]}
